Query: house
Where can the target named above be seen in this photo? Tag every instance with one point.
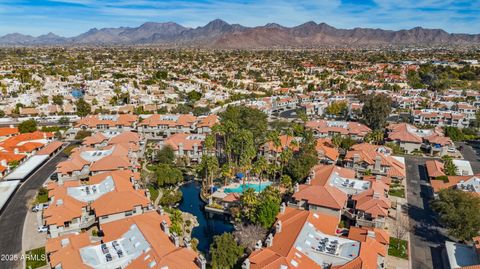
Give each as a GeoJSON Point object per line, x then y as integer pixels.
{"type": "Point", "coordinates": [119, 152]}
{"type": "Point", "coordinates": [327, 153]}
{"type": "Point", "coordinates": [76, 204]}
{"type": "Point", "coordinates": [107, 122]}
{"type": "Point", "coordinates": [185, 144]}
{"type": "Point", "coordinates": [305, 239]}
{"type": "Point", "coordinates": [141, 241]}
{"type": "Point", "coordinates": [324, 128]}
{"type": "Point", "coordinates": [271, 151]}
{"type": "Point", "coordinates": [470, 184]}
{"type": "Point", "coordinates": [205, 124]}
{"type": "Point", "coordinates": [435, 169]}
{"type": "Point", "coordinates": [165, 125]}
{"type": "Point", "coordinates": [375, 159]}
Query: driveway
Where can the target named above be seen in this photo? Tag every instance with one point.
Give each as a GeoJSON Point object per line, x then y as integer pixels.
{"type": "Point", "coordinates": [471, 153]}
{"type": "Point", "coordinates": [14, 214]}
{"type": "Point", "coordinates": [426, 237]}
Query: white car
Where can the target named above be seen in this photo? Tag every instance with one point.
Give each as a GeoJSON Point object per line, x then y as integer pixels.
{"type": "Point", "coordinates": [42, 229]}
{"type": "Point", "coordinates": [36, 208]}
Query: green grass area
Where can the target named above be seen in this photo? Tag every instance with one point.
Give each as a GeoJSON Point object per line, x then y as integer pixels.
{"type": "Point", "coordinates": [42, 198]}
{"type": "Point", "coordinates": [35, 258]}
{"type": "Point", "coordinates": [398, 248]}
{"type": "Point", "coordinates": [69, 149]}
{"type": "Point", "coordinates": [153, 192]}
{"type": "Point", "coordinates": [398, 192]}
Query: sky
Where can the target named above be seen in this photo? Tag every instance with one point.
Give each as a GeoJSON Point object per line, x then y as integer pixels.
{"type": "Point", "coordinates": [72, 17]}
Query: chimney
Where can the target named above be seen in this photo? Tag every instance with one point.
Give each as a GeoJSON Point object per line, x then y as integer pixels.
{"type": "Point", "coordinates": [187, 242]}
{"type": "Point", "coordinates": [278, 226]}
{"type": "Point", "coordinates": [3, 163]}
{"type": "Point", "coordinates": [356, 158]}
{"type": "Point", "coordinates": [201, 261]}
{"type": "Point", "coordinates": [11, 126]}
{"type": "Point", "coordinates": [44, 135]}
{"type": "Point", "coordinates": [165, 227]}
{"type": "Point", "coordinates": [378, 162]}
{"type": "Point", "coordinates": [282, 207]}
{"type": "Point", "coordinates": [16, 151]}
{"type": "Point", "coordinates": [371, 234]}
{"type": "Point", "coordinates": [147, 193]}
{"type": "Point", "coordinates": [174, 238]}
{"type": "Point", "coordinates": [246, 264]}
{"type": "Point", "coordinates": [258, 245]}
{"type": "Point", "coordinates": [378, 178]}
{"type": "Point", "coordinates": [160, 210]}
{"type": "Point", "coordinates": [269, 241]}
{"type": "Point", "coordinates": [296, 188]}
{"type": "Point", "coordinates": [180, 149]}
{"type": "Point", "coordinates": [376, 195]}
{"type": "Point", "coordinates": [195, 149]}
{"type": "Point", "coordinates": [309, 181]}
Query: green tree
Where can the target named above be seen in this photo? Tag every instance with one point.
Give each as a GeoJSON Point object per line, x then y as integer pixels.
{"type": "Point", "coordinates": [458, 210]}
{"type": "Point", "coordinates": [450, 168]}
{"type": "Point", "coordinates": [454, 133]}
{"type": "Point", "coordinates": [194, 96]}
{"type": "Point", "coordinates": [245, 118]}
{"type": "Point", "coordinates": [267, 212]}
{"type": "Point", "coordinates": [208, 169]}
{"type": "Point", "coordinates": [64, 121]}
{"type": "Point", "coordinates": [27, 126]}
{"type": "Point", "coordinates": [57, 99]}
{"type": "Point", "coordinates": [225, 251]}
{"type": "Point", "coordinates": [249, 201]}
{"type": "Point", "coordinates": [83, 108]}
{"type": "Point", "coordinates": [167, 175]}
{"type": "Point", "coordinates": [166, 155]}
{"type": "Point", "coordinates": [375, 111]}
{"type": "Point", "coordinates": [338, 108]}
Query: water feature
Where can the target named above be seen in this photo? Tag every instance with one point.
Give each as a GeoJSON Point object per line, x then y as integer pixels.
{"type": "Point", "coordinates": [208, 227]}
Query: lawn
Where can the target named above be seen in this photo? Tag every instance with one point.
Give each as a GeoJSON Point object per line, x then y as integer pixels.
{"type": "Point", "coordinates": [153, 192]}
{"type": "Point", "coordinates": [399, 192]}
{"type": "Point", "coordinates": [35, 258]}
{"type": "Point", "coordinates": [398, 248]}
{"type": "Point", "coordinates": [42, 196]}
{"type": "Point", "coordinates": [69, 149]}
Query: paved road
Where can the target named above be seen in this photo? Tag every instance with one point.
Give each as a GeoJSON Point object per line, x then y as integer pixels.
{"type": "Point", "coordinates": [13, 216]}
{"type": "Point", "coordinates": [471, 153]}
{"type": "Point", "coordinates": [427, 237]}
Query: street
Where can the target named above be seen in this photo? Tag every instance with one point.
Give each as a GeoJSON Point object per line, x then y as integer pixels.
{"type": "Point", "coordinates": [470, 153]}
{"type": "Point", "coordinates": [14, 214]}
{"type": "Point", "coordinates": [426, 237]}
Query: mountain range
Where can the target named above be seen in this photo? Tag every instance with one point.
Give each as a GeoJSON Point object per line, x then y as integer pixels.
{"type": "Point", "coordinates": [220, 34]}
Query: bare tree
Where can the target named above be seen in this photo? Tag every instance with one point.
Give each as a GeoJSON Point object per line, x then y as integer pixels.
{"type": "Point", "coordinates": [248, 235]}
{"type": "Point", "coordinates": [402, 227]}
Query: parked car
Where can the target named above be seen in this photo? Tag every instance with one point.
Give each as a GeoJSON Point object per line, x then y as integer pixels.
{"type": "Point", "coordinates": [42, 229]}
{"type": "Point", "coordinates": [54, 177]}
{"type": "Point", "coordinates": [45, 206]}
{"type": "Point", "coordinates": [36, 208]}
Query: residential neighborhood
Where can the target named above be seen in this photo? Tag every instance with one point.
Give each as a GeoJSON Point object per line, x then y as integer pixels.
{"type": "Point", "coordinates": [141, 157]}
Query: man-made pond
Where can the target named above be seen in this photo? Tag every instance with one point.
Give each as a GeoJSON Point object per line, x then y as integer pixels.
{"type": "Point", "coordinates": [208, 227]}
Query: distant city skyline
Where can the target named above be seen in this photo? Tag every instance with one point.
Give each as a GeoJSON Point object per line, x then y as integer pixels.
{"type": "Point", "coordinates": [72, 17]}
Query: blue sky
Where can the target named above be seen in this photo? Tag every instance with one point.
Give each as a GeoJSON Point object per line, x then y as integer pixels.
{"type": "Point", "coordinates": [72, 17]}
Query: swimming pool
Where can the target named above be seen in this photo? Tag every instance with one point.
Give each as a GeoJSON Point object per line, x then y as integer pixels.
{"type": "Point", "coordinates": [258, 187]}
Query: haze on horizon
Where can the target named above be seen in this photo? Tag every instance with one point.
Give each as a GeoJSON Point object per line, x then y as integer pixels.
{"type": "Point", "coordinates": [72, 17]}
